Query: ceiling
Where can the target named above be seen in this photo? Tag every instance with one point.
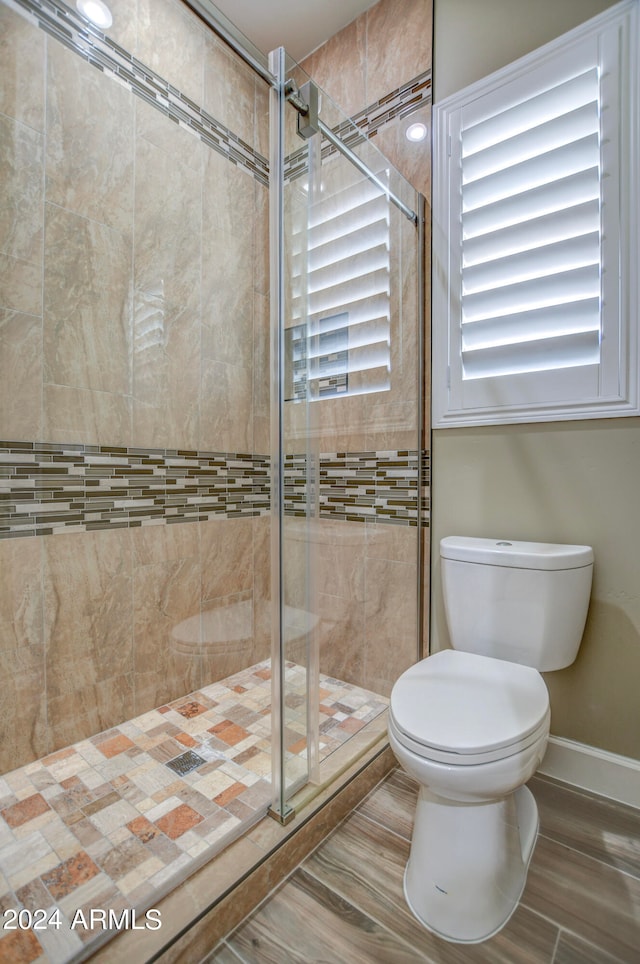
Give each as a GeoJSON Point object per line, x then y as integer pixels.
{"type": "Point", "coordinates": [297, 25]}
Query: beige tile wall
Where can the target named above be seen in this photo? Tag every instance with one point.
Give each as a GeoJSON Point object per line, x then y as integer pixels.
{"type": "Point", "coordinates": [385, 47]}
{"type": "Point", "coordinates": [130, 314]}
{"type": "Point", "coordinates": [100, 626]}
{"type": "Point", "coordinates": [122, 315]}
{"type": "Point", "coordinates": [367, 601]}
{"type": "Point", "coordinates": [119, 233]}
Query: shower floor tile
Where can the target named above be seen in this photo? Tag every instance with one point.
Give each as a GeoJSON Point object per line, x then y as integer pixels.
{"type": "Point", "coordinates": [117, 820]}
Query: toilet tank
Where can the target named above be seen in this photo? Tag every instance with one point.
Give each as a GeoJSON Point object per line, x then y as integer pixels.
{"type": "Point", "coordinates": [525, 602]}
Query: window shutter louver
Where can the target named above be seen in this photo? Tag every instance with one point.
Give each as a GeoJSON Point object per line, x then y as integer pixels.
{"type": "Point", "coordinates": [518, 278]}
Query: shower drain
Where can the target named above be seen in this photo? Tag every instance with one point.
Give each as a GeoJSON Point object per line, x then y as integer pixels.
{"type": "Point", "coordinates": [185, 763]}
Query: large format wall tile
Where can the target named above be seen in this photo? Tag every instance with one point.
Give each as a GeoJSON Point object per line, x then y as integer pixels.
{"type": "Point", "coordinates": [22, 59]}
{"type": "Point", "coordinates": [21, 162]}
{"type": "Point", "coordinates": [227, 558]}
{"type": "Point", "coordinates": [227, 309]}
{"type": "Point", "coordinates": [262, 587]}
{"type": "Point", "coordinates": [171, 42]}
{"type": "Point", "coordinates": [412, 158]}
{"type": "Point", "coordinates": [261, 373]}
{"type": "Point", "coordinates": [340, 66]}
{"type": "Point", "coordinates": [20, 375]}
{"type": "Point", "coordinates": [116, 368]}
{"type": "Point", "coordinates": [391, 64]}
{"type": "Point", "coordinates": [261, 248]}
{"type": "Point", "coordinates": [22, 695]}
{"type": "Point", "coordinates": [166, 365]}
{"type": "Point", "coordinates": [341, 634]}
{"type": "Point", "coordinates": [168, 222]}
{"type": "Point", "coordinates": [167, 254]}
{"type": "Point", "coordinates": [227, 597]}
{"type": "Point", "coordinates": [173, 140]}
{"type": "Point", "coordinates": [228, 204]}
{"type": "Point", "coordinates": [166, 595]}
{"type": "Point", "coordinates": [24, 733]}
{"type": "Point", "coordinates": [88, 588]}
{"type": "Point", "coordinates": [20, 285]}
{"type": "Point", "coordinates": [390, 622]}
{"type": "Point", "coordinates": [89, 161]}
{"type": "Point", "coordinates": [230, 91]}
{"type": "Point", "coordinates": [226, 420]}
{"type": "Point", "coordinates": [88, 608]}
{"type": "Point", "coordinates": [124, 29]}
{"type": "Point", "coordinates": [87, 306]}
{"type": "Point", "coordinates": [87, 417]}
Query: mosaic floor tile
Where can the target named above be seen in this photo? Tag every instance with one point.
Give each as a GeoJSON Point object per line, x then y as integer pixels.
{"type": "Point", "coordinates": [117, 820]}
{"type": "Point", "coordinates": [25, 810]}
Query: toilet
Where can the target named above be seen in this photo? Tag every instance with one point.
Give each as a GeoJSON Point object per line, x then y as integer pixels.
{"type": "Point", "coordinates": [471, 724]}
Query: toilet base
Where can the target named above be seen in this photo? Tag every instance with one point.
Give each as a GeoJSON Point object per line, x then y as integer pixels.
{"type": "Point", "coordinates": [468, 863]}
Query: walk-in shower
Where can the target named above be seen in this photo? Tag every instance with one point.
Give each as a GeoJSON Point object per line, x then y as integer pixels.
{"type": "Point", "coordinates": [210, 389]}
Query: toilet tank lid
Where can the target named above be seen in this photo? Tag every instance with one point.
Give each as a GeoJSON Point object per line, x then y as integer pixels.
{"type": "Point", "coordinates": [519, 555]}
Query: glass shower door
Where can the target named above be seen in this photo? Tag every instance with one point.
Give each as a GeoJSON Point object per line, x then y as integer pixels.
{"type": "Point", "coordinates": [346, 439]}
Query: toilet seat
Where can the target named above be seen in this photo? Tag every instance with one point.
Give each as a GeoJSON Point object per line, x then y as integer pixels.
{"type": "Point", "coordinates": [461, 708]}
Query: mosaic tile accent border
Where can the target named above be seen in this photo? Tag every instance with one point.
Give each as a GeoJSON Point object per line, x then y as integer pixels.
{"type": "Point", "coordinates": [118, 820]}
{"type": "Point", "coordinates": [67, 26]}
{"type": "Point", "coordinates": [48, 488]}
{"type": "Point", "coordinates": [371, 487]}
{"type": "Point", "coordinates": [425, 499]}
{"type": "Point", "coordinates": [365, 486]}
{"type": "Point", "coordinates": [366, 123]}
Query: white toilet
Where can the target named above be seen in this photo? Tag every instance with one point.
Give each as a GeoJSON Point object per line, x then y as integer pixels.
{"type": "Point", "coordinates": [471, 724]}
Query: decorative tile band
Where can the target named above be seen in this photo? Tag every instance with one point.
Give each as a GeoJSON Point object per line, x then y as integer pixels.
{"type": "Point", "coordinates": [425, 499]}
{"type": "Point", "coordinates": [371, 487]}
{"type": "Point", "coordinates": [48, 488]}
{"type": "Point", "coordinates": [366, 123]}
{"type": "Point", "coordinates": [63, 23]}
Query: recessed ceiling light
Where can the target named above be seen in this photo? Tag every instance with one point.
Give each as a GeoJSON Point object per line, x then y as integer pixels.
{"type": "Point", "coordinates": [416, 132]}
{"type": "Point", "coordinates": [96, 12]}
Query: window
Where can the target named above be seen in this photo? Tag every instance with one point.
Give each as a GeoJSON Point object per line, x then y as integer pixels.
{"type": "Point", "coordinates": [535, 295]}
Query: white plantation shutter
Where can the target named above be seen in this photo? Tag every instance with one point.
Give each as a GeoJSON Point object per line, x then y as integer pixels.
{"type": "Point", "coordinates": [534, 211]}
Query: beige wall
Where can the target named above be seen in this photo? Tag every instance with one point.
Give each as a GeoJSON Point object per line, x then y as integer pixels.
{"type": "Point", "coordinates": [472, 38]}
{"type": "Point", "coordinates": [574, 481]}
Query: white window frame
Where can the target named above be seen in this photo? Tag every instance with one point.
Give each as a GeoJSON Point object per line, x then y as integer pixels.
{"type": "Point", "coordinates": [610, 388]}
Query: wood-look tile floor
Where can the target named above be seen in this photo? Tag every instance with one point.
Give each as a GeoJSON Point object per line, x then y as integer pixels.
{"type": "Point", "coordinates": [344, 904]}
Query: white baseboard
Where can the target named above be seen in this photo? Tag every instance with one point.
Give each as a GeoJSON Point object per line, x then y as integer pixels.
{"type": "Point", "coordinates": [587, 767]}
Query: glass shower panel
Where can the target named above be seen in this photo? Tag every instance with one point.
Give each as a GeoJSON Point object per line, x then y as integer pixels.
{"type": "Point", "coordinates": [349, 434]}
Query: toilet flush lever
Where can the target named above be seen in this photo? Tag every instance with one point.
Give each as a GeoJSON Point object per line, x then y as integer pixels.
{"type": "Point", "coordinates": [504, 543]}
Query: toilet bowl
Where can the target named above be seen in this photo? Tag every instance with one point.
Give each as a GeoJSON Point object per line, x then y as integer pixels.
{"type": "Point", "coordinates": [471, 730]}
{"type": "Point", "coordinates": [471, 726]}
